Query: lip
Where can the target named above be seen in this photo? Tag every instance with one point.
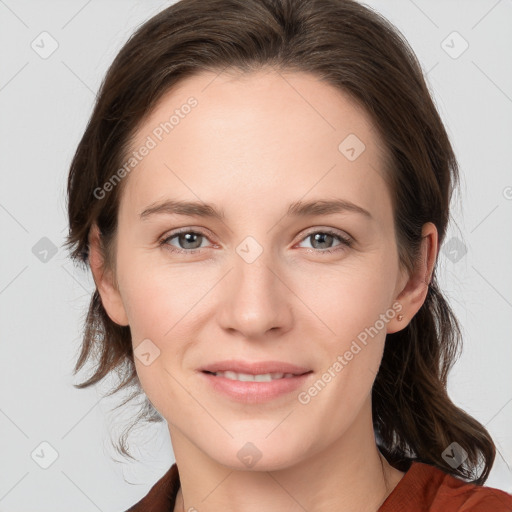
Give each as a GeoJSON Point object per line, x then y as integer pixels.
{"type": "Point", "coordinates": [254, 368]}
{"type": "Point", "coordinates": [254, 392]}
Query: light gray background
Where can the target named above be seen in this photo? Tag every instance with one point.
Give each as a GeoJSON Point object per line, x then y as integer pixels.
{"type": "Point", "coordinates": [45, 104]}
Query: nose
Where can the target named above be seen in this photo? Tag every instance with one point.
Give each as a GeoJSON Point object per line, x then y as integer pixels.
{"type": "Point", "coordinates": [255, 297]}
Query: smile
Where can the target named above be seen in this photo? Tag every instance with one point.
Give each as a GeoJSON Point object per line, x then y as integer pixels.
{"type": "Point", "coordinates": [257, 388]}
{"type": "Point", "coordinates": [247, 377]}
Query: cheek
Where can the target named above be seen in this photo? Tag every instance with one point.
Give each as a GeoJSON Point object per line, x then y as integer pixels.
{"type": "Point", "coordinates": [156, 295]}
{"type": "Point", "coordinates": [349, 296]}
{"type": "Point", "coordinates": [353, 305]}
{"type": "Point", "coordinates": [339, 298]}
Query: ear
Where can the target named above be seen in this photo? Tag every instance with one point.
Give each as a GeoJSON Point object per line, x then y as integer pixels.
{"type": "Point", "coordinates": [105, 281]}
{"type": "Point", "coordinates": [415, 290]}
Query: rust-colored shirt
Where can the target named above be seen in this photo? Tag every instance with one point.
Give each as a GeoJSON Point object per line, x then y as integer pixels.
{"type": "Point", "coordinates": [423, 488]}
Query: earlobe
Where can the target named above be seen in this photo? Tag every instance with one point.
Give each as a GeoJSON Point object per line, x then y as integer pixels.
{"type": "Point", "coordinates": [415, 291]}
{"type": "Point", "coordinates": [104, 280]}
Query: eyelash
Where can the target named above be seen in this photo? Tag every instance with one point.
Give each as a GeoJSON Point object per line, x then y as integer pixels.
{"type": "Point", "coordinates": [345, 242]}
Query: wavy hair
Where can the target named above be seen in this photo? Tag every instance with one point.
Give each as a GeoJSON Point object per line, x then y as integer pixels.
{"type": "Point", "coordinates": [355, 49]}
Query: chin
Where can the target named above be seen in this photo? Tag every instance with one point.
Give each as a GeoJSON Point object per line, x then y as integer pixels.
{"type": "Point", "coordinates": [260, 454]}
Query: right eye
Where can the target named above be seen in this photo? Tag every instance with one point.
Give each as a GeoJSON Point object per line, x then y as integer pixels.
{"type": "Point", "coordinates": [190, 241]}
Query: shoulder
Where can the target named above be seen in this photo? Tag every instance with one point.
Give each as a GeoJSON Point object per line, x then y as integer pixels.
{"type": "Point", "coordinates": [427, 488]}
{"type": "Point", "coordinates": [162, 495]}
{"type": "Point", "coordinates": [471, 497]}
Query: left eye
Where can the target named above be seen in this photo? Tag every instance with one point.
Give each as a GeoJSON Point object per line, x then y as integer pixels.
{"type": "Point", "coordinates": [326, 237]}
{"type": "Point", "coordinates": [191, 241]}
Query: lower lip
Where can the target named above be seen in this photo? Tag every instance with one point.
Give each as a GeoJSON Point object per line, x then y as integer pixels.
{"type": "Point", "coordinates": [255, 392]}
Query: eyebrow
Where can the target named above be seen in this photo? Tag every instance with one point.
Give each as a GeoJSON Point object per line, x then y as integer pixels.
{"type": "Point", "coordinates": [296, 209]}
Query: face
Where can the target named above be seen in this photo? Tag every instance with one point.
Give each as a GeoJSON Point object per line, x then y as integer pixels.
{"type": "Point", "coordinates": [269, 278]}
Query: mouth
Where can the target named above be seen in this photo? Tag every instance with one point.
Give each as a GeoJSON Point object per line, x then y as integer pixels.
{"type": "Point", "coordinates": [257, 371]}
{"type": "Point", "coordinates": [254, 382]}
{"type": "Point", "coordinates": [248, 377]}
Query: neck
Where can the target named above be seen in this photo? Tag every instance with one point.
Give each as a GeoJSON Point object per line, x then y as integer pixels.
{"type": "Point", "coordinates": [350, 474]}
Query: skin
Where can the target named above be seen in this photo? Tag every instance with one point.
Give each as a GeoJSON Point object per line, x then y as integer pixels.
{"type": "Point", "coordinates": [254, 144]}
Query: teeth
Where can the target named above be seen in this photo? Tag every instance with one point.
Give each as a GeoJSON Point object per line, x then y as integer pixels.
{"type": "Point", "coordinates": [246, 377]}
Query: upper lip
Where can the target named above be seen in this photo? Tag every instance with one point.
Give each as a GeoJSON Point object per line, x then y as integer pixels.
{"type": "Point", "coordinates": [254, 368]}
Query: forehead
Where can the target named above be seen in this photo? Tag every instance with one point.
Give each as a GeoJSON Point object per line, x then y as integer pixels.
{"type": "Point", "coordinates": [266, 135]}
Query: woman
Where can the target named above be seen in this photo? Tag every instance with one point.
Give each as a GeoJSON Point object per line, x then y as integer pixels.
{"type": "Point", "coordinates": [261, 194]}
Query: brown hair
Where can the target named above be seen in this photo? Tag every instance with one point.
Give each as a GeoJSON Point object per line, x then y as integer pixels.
{"type": "Point", "coordinates": [358, 51]}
